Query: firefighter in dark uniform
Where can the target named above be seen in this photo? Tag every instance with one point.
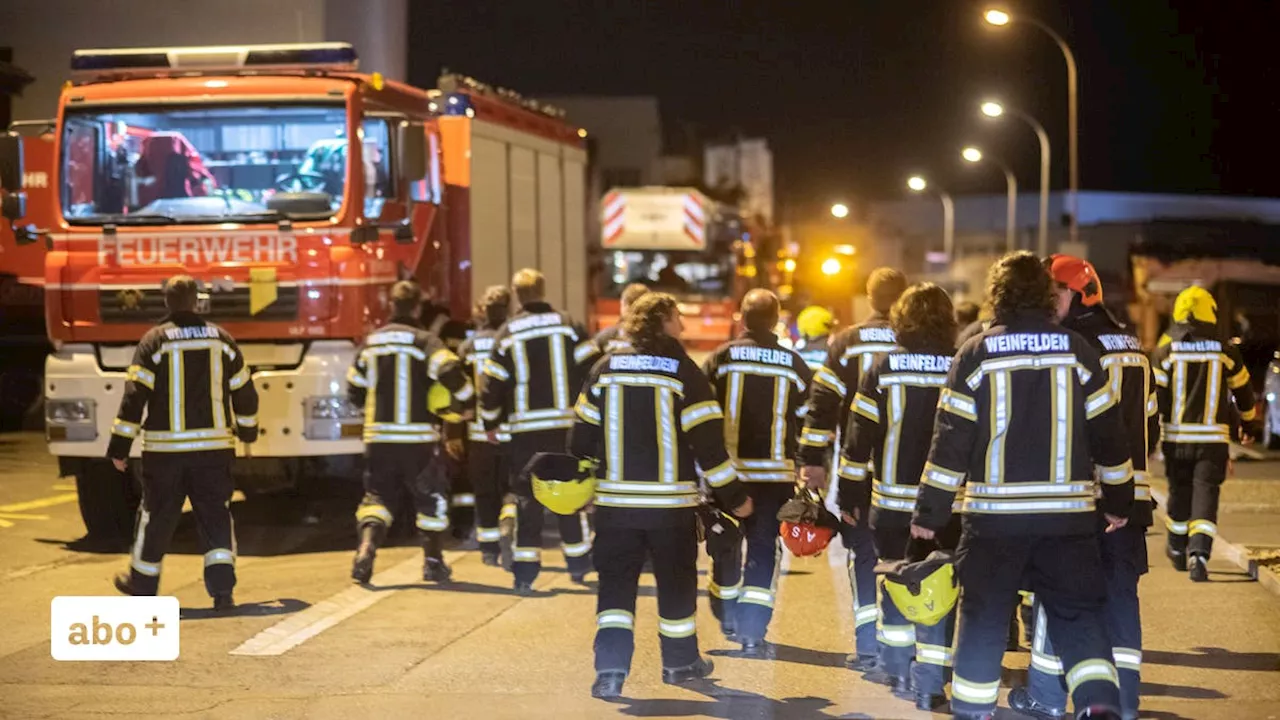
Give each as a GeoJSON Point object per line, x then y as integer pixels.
{"type": "Point", "coordinates": [486, 463]}
{"type": "Point", "coordinates": [190, 380]}
{"type": "Point", "coordinates": [1028, 416]}
{"type": "Point", "coordinates": [1197, 375]}
{"type": "Point", "coordinates": [761, 388]}
{"type": "Point", "coordinates": [396, 372]}
{"type": "Point", "coordinates": [531, 380]}
{"type": "Point", "coordinates": [893, 415]}
{"type": "Point", "coordinates": [610, 338]}
{"type": "Point", "coordinates": [462, 497]}
{"type": "Point", "coordinates": [647, 415]}
{"type": "Point", "coordinates": [1124, 551]}
{"type": "Point", "coordinates": [851, 353]}
{"type": "Point", "coordinates": [814, 324]}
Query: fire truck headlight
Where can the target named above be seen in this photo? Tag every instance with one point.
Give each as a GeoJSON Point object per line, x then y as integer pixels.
{"type": "Point", "coordinates": [63, 412]}
{"type": "Point", "coordinates": [332, 407]}
{"type": "Point", "coordinates": [332, 417]}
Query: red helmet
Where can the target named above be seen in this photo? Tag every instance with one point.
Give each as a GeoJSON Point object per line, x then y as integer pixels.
{"type": "Point", "coordinates": [806, 526]}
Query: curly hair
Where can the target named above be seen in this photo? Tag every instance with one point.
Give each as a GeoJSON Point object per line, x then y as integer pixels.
{"type": "Point", "coordinates": [1018, 282]}
{"type": "Point", "coordinates": [924, 318]}
{"type": "Point", "coordinates": [495, 305]}
{"type": "Point", "coordinates": [643, 322]}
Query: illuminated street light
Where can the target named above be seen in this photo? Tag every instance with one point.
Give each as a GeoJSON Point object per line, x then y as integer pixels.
{"type": "Point", "coordinates": [831, 266]}
{"type": "Point", "coordinates": [789, 265]}
{"type": "Point", "coordinates": [994, 109]}
{"type": "Point", "coordinates": [917, 183]}
{"type": "Point", "coordinates": [840, 210]}
{"type": "Point", "coordinates": [974, 155]}
{"type": "Point", "coordinates": [996, 17]}
{"type": "Point", "coordinates": [845, 250]}
{"type": "Point", "coordinates": [971, 154]}
{"type": "Point", "coordinates": [1001, 18]}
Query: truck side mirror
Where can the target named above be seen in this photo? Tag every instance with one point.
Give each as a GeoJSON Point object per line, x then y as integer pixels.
{"type": "Point", "coordinates": [411, 140]}
{"type": "Point", "coordinates": [10, 162]}
{"type": "Point", "coordinates": [13, 205]}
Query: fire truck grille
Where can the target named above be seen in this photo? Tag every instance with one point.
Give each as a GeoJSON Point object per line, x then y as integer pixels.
{"type": "Point", "coordinates": [147, 306]}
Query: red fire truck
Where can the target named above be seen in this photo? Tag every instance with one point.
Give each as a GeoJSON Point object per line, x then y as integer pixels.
{"type": "Point", "coordinates": [296, 190]}
{"type": "Point", "coordinates": [679, 241]}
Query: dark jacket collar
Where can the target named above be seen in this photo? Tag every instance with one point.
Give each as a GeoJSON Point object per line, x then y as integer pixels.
{"type": "Point", "coordinates": [185, 317]}
{"type": "Point", "coordinates": [763, 337]}
{"type": "Point", "coordinates": [540, 306]}
{"type": "Point", "coordinates": [405, 320]}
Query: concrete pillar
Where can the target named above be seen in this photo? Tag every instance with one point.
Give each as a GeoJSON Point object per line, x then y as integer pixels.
{"type": "Point", "coordinates": [379, 30]}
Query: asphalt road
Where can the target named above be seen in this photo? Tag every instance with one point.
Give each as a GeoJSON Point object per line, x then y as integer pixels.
{"type": "Point", "coordinates": [306, 643]}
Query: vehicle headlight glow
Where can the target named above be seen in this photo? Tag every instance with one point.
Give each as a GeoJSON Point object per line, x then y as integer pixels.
{"type": "Point", "coordinates": [332, 407]}
{"type": "Point", "coordinates": [69, 411]}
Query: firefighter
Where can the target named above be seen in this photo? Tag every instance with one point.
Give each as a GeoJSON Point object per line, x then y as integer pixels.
{"type": "Point", "coordinates": [761, 388]}
{"type": "Point", "coordinates": [610, 338]}
{"type": "Point", "coordinates": [1026, 415]}
{"type": "Point", "coordinates": [850, 353]}
{"type": "Point", "coordinates": [1124, 551]}
{"type": "Point", "coordinates": [814, 324]}
{"type": "Point", "coordinates": [462, 497]}
{"type": "Point", "coordinates": [967, 313]}
{"type": "Point", "coordinates": [190, 379]}
{"type": "Point", "coordinates": [647, 488]}
{"type": "Point", "coordinates": [398, 376]}
{"type": "Point", "coordinates": [531, 380]}
{"type": "Point", "coordinates": [486, 464]}
{"type": "Point", "coordinates": [1195, 373]}
{"type": "Point", "coordinates": [893, 414]}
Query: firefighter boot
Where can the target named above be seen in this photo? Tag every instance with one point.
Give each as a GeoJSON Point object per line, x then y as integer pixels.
{"type": "Point", "coordinates": [1198, 568]}
{"type": "Point", "coordinates": [433, 567]}
{"type": "Point", "coordinates": [222, 602]}
{"type": "Point", "coordinates": [371, 536]}
{"type": "Point", "coordinates": [688, 673]}
{"type": "Point", "coordinates": [1020, 699]}
{"type": "Point", "coordinates": [608, 684]}
{"type": "Point", "coordinates": [507, 531]}
{"type": "Point", "coordinates": [1177, 558]}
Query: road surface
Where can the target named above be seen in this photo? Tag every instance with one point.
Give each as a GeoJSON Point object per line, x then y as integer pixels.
{"type": "Point", "coordinates": [306, 643]}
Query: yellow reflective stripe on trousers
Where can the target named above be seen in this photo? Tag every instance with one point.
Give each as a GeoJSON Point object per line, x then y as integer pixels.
{"type": "Point", "coordinates": [865, 614]}
{"type": "Point", "coordinates": [1127, 658]}
{"type": "Point", "coordinates": [1177, 527]}
{"type": "Point", "coordinates": [752, 595]}
{"type": "Point", "coordinates": [684, 627]}
{"type": "Point", "coordinates": [615, 619]}
{"type": "Point", "coordinates": [1203, 527]}
{"type": "Point", "coordinates": [724, 593]}
{"type": "Point", "coordinates": [934, 654]}
{"type": "Point", "coordinates": [526, 555]}
{"type": "Point", "coordinates": [432, 524]}
{"type": "Point", "coordinates": [897, 635]}
{"type": "Point", "coordinates": [219, 556]}
{"type": "Point", "coordinates": [975, 692]}
{"type": "Point", "coordinates": [1091, 670]}
{"type": "Point", "coordinates": [488, 535]}
{"type": "Point", "coordinates": [374, 512]}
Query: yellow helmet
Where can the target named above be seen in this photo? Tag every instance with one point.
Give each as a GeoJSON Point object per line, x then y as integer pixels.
{"type": "Point", "coordinates": [440, 403]}
{"type": "Point", "coordinates": [924, 591]}
{"type": "Point", "coordinates": [1195, 303]}
{"type": "Point", "coordinates": [562, 483]}
{"type": "Point", "coordinates": [814, 321]}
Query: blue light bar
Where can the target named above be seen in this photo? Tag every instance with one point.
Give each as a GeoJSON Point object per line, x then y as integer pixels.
{"type": "Point", "coordinates": [243, 59]}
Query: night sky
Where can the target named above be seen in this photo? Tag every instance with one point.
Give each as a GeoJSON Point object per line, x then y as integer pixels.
{"type": "Point", "coordinates": [1176, 95]}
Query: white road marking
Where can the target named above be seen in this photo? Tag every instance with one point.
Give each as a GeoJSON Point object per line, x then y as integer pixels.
{"type": "Point", "coordinates": [42, 502]}
{"type": "Point", "coordinates": [293, 631]}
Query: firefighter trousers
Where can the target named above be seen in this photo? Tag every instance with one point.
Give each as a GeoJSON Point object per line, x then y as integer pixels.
{"type": "Point", "coordinates": [1066, 574]}
{"type": "Point", "coordinates": [620, 554]}
{"type": "Point", "coordinates": [391, 468]}
{"type": "Point", "coordinates": [901, 640]}
{"type": "Point", "coordinates": [168, 479]}
{"type": "Point", "coordinates": [1196, 472]}
{"type": "Point", "coordinates": [462, 498]}
{"type": "Point", "coordinates": [1124, 560]}
{"type": "Point", "coordinates": [487, 468]}
{"type": "Point", "coordinates": [861, 564]}
{"type": "Point", "coordinates": [575, 532]}
{"type": "Point", "coordinates": [752, 586]}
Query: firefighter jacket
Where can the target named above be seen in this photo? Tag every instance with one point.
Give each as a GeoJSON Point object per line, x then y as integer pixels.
{"type": "Point", "coordinates": [651, 421]}
{"type": "Point", "coordinates": [190, 379]}
{"type": "Point", "coordinates": [1026, 414]}
{"type": "Point", "coordinates": [761, 387]}
{"type": "Point", "coordinates": [892, 422]}
{"type": "Point", "coordinates": [611, 339]}
{"type": "Point", "coordinates": [1194, 376]}
{"type": "Point", "coordinates": [849, 354]}
{"type": "Point", "coordinates": [535, 371]}
{"type": "Point", "coordinates": [1129, 373]}
{"type": "Point", "coordinates": [391, 377]}
{"type": "Point", "coordinates": [814, 351]}
{"type": "Point", "coordinates": [475, 352]}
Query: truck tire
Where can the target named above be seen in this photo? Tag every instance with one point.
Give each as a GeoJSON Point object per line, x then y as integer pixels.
{"type": "Point", "coordinates": [109, 502]}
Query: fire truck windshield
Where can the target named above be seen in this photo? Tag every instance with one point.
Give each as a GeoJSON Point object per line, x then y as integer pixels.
{"type": "Point", "coordinates": [209, 162]}
{"type": "Point", "coordinates": [687, 274]}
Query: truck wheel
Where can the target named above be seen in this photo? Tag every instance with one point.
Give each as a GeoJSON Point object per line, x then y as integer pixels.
{"type": "Point", "coordinates": [108, 503]}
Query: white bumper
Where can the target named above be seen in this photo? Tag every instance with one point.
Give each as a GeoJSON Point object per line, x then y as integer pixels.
{"type": "Point", "coordinates": [287, 427]}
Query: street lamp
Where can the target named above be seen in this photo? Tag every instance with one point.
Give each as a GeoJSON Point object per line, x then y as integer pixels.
{"type": "Point", "coordinates": [831, 266]}
{"type": "Point", "coordinates": [974, 155]}
{"type": "Point", "coordinates": [840, 210]}
{"type": "Point", "coordinates": [994, 109]}
{"type": "Point", "coordinates": [1000, 18]}
{"type": "Point", "coordinates": [915, 183]}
